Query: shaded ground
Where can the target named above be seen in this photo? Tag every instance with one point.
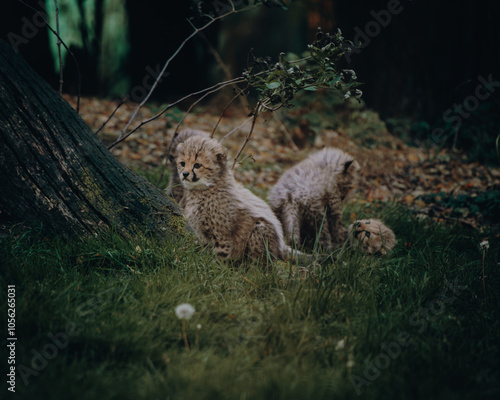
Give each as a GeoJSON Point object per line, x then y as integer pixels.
{"type": "Point", "coordinates": [440, 185]}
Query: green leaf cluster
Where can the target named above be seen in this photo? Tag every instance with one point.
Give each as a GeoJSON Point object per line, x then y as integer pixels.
{"type": "Point", "coordinates": [278, 83]}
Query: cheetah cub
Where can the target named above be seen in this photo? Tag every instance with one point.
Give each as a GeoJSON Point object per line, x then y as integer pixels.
{"type": "Point", "coordinates": [372, 235]}
{"type": "Point", "coordinates": [222, 212]}
{"type": "Point", "coordinates": [175, 188]}
{"type": "Point", "coordinates": [312, 193]}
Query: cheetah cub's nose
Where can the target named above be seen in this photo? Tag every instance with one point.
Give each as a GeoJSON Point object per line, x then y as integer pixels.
{"type": "Point", "coordinates": [185, 174]}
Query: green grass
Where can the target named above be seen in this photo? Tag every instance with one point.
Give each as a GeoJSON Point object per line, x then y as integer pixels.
{"type": "Point", "coordinates": [257, 334]}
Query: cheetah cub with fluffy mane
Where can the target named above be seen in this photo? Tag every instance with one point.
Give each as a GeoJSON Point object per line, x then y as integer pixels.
{"type": "Point", "coordinates": [312, 193]}
{"type": "Point", "coordinates": [222, 212]}
{"type": "Point", "coordinates": [175, 188]}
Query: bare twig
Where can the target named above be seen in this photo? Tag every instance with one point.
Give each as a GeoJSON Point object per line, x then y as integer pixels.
{"type": "Point", "coordinates": [67, 49]}
{"type": "Point", "coordinates": [192, 106]}
{"type": "Point", "coordinates": [218, 85]}
{"type": "Point", "coordinates": [236, 129]}
{"type": "Point", "coordinates": [113, 113]}
{"type": "Point", "coordinates": [184, 335]}
{"type": "Point", "coordinates": [225, 108]}
{"type": "Point", "coordinates": [256, 114]}
{"type": "Point", "coordinates": [167, 63]}
{"type": "Point", "coordinates": [287, 132]}
{"type": "Point", "coordinates": [61, 80]}
{"type": "Point", "coordinates": [484, 280]}
{"type": "Point", "coordinates": [227, 72]}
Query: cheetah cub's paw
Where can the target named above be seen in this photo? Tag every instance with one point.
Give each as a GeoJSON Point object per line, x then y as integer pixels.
{"type": "Point", "coordinates": [372, 235]}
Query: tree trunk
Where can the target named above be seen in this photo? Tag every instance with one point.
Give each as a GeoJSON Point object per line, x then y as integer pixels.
{"type": "Point", "coordinates": [56, 174]}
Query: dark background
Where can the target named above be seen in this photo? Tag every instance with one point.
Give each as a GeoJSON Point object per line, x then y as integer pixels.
{"type": "Point", "coordinates": [428, 58]}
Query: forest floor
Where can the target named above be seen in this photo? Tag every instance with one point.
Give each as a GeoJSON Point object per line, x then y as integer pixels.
{"type": "Point", "coordinates": [96, 318]}
{"type": "Point", "coordinates": [439, 184]}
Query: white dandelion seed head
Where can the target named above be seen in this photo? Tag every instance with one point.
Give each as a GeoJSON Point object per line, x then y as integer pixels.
{"type": "Point", "coordinates": [340, 345]}
{"type": "Point", "coordinates": [485, 244]}
{"type": "Point", "coordinates": [198, 326]}
{"type": "Point", "coordinates": [184, 311]}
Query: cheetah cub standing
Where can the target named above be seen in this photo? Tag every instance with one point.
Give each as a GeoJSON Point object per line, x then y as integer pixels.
{"type": "Point", "coordinates": [222, 212]}
{"type": "Point", "coordinates": [372, 235]}
{"type": "Point", "coordinates": [311, 193]}
{"type": "Point", "coordinates": [175, 188]}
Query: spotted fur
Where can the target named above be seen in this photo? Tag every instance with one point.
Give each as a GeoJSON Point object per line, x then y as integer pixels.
{"type": "Point", "coordinates": [310, 195]}
{"type": "Point", "coordinates": [222, 212]}
{"type": "Point", "coordinates": [175, 188]}
{"type": "Point", "coordinates": [372, 235]}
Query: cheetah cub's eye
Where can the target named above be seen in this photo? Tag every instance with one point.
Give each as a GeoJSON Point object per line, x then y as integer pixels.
{"type": "Point", "coordinates": [197, 165]}
{"type": "Point", "coordinates": [182, 163]}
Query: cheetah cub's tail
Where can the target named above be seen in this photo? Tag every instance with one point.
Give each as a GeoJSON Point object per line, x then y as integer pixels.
{"type": "Point", "coordinates": [372, 235]}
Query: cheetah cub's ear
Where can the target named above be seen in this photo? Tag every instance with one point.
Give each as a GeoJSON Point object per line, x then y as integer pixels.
{"type": "Point", "coordinates": [348, 177]}
{"type": "Point", "coordinates": [372, 235]}
{"type": "Point", "coordinates": [221, 155]}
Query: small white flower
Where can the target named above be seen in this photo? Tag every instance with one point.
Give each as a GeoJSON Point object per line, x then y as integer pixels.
{"type": "Point", "coordinates": [485, 244]}
{"type": "Point", "coordinates": [184, 311]}
{"type": "Point", "coordinates": [198, 326]}
{"type": "Point", "coordinates": [340, 345]}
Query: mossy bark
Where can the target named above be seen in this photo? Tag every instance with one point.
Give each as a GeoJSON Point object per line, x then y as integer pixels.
{"type": "Point", "coordinates": [56, 174]}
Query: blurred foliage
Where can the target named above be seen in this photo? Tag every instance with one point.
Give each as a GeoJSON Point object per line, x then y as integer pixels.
{"type": "Point", "coordinates": [475, 135]}
{"type": "Point", "coordinates": [486, 204]}
{"type": "Point", "coordinates": [328, 110]}
{"type": "Point", "coordinates": [99, 30]}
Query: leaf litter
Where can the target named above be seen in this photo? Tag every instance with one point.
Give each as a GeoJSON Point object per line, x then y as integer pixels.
{"type": "Point", "coordinates": [441, 184]}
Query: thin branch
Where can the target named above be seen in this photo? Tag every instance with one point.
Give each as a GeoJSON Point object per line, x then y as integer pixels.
{"type": "Point", "coordinates": [61, 80]}
{"type": "Point", "coordinates": [219, 85]}
{"type": "Point", "coordinates": [67, 49]}
{"type": "Point", "coordinates": [287, 132]}
{"type": "Point", "coordinates": [111, 116]}
{"type": "Point", "coordinates": [167, 63]}
{"type": "Point", "coordinates": [192, 106]}
{"type": "Point", "coordinates": [258, 109]}
{"type": "Point", "coordinates": [225, 69]}
{"type": "Point", "coordinates": [274, 109]}
{"type": "Point", "coordinates": [299, 60]}
{"type": "Point", "coordinates": [225, 108]}
{"type": "Point", "coordinates": [236, 129]}
{"type": "Point", "coordinates": [484, 281]}
{"type": "Point", "coordinates": [176, 132]}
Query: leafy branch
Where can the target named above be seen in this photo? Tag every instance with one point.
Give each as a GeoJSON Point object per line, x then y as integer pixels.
{"type": "Point", "coordinates": [218, 11]}
{"type": "Point", "coordinates": [277, 84]}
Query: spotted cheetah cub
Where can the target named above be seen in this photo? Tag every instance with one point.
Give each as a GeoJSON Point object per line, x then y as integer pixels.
{"type": "Point", "coordinates": [372, 235]}
{"type": "Point", "coordinates": [222, 212]}
{"type": "Point", "coordinates": [311, 195]}
{"type": "Point", "coordinates": [175, 188]}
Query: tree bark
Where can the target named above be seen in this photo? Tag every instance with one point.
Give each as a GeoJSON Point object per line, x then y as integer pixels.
{"type": "Point", "coordinates": [56, 174]}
